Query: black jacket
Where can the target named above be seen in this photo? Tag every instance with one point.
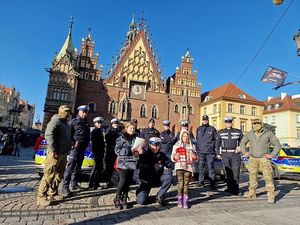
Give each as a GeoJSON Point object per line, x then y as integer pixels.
{"type": "Point", "coordinates": [80, 130]}
{"type": "Point", "coordinates": [97, 140]}
{"type": "Point", "coordinates": [168, 140]}
{"type": "Point", "coordinates": [206, 138]}
{"type": "Point", "coordinates": [228, 139]}
{"type": "Point", "coordinates": [111, 138]}
{"type": "Point", "coordinates": [151, 166]}
{"type": "Point", "coordinates": [148, 133]}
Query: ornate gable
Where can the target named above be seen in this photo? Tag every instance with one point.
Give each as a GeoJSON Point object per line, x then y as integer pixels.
{"type": "Point", "coordinates": [137, 64]}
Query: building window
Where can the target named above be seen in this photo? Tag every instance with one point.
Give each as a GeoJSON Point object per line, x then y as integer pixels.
{"type": "Point", "coordinates": [265, 119]}
{"type": "Point", "coordinates": [243, 126]}
{"type": "Point", "coordinates": [154, 112]}
{"type": "Point", "coordinates": [269, 107]}
{"type": "Point", "coordinates": [64, 94]}
{"type": "Point", "coordinates": [276, 106]}
{"type": "Point", "coordinates": [297, 118]}
{"type": "Point", "coordinates": [176, 108]}
{"type": "Point", "coordinates": [86, 75]}
{"type": "Point", "coordinates": [242, 96]}
{"type": "Point", "coordinates": [112, 108]}
{"type": "Point", "coordinates": [273, 120]}
{"type": "Point", "coordinates": [191, 110]}
{"type": "Point", "coordinates": [82, 63]}
{"type": "Point", "coordinates": [242, 109]}
{"type": "Point", "coordinates": [173, 91]}
{"type": "Point", "coordinates": [298, 132]}
{"type": "Point", "coordinates": [143, 111]}
{"type": "Point", "coordinates": [215, 108]}
{"type": "Point", "coordinates": [253, 111]}
{"type": "Point", "coordinates": [230, 108]}
{"type": "Point", "coordinates": [92, 107]}
{"type": "Point", "coordinates": [56, 93]}
{"type": "Point", "coordinates": [204, 111]}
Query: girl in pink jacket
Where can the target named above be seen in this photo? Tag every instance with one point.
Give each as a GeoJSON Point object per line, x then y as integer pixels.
{"type": "Point", "coordinates": [184, 156]}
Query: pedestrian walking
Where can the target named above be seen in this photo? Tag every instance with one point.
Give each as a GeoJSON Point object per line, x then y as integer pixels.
{"type": "Point", "coordinates": [260, 140]}
{"type": "Point", "coordinates": [151, 164]}
{"type": "Point", "coordinates": [206, 138]}
{"type": "Point", "coordinates": [80, 134]}
{"type": "Point", "coordinates": [17, 141]}
{"type": "Point", "coordinates": [110, 156]}
{"type": "Point", "coordinates": [184, 155]}
{"type": "Point", "coordinates": [228, 149]}
{"type": "Point", "coordinates": [98, 149]}
{"type": "Point", "coordinates": [58, 136]}
{"type": "Point", "coordinates": [126, 164]}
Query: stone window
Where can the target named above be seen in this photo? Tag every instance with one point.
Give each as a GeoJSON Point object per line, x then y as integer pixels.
{"type": "Point", "coordinates": [154, 112]}
{"type": "Point", "coordinates": [253, 111]}
{"type": "Point", "coordinates": [230, 108]}
{"type": "Point", "coordinates": [143, 111]}
{"type": "Point", "coordinates": [176, 108]}
{"type": "Point", "coordinates": [242, 109]}
{"type": "Point", "coordinates": [243, 126]}
{"type": "Point", "coordinates": [112, 108]}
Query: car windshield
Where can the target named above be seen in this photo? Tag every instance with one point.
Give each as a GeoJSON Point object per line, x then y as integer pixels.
{"type": "Point", "coordinates": [292, 151]}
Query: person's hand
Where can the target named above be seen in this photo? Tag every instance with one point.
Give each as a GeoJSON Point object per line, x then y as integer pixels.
{"type": "Point", "coordinates": [238, 149]}
{"type": "Point", "coordinates": [55, 155]}
{"type": "Point", "coordinates": [76, 144]}
{"type": "Point", "coordinates": [267, 156]}
{"type": "Point", "coordinates": [219, 157]}
{"type": "Point", "coordinates": [140, 150]}
{"type": "Point", "coordinates": [246, 155]}
{"type": "Point", "coordinates": [176, 157]}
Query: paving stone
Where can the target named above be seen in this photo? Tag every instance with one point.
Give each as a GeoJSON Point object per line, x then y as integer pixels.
{"type": "Point", "coordinates": [12, 219]}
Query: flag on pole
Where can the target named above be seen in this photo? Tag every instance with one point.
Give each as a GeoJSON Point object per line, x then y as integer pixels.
{"type": "Point", "coordinates": [274, 76]}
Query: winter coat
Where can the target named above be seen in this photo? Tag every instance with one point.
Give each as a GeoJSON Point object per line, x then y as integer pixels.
{"type": "Point", "coordinates": [80, 130]}
{"type": "Point", "coordinates": [167, 142]}
{"type": "Point", "coordinates": [97, 140]}
{"type": "Point", "coordinates": [258, 146]}
{"type": "Point", "coordinates": [206, 138]}
{"type": "Point", "coordinates": [186, 161]}
{"type": "Point", "coordinates": [111, 138]}
{"type": "Point", "coordinates": [126, 160]}
{"type": "Point", "coordinates": [58, 135]}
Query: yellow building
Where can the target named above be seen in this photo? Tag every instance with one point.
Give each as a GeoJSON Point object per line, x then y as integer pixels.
{"type": "Point", "coordinates": [284, 113]}
{"type": "Point", "coordinates": [229, 100]}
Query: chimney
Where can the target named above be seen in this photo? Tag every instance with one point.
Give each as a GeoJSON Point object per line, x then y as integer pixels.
{"type": "Point", "coordinates": [283, 95]}
{"type": "Point", "coordinates": [269, 98]}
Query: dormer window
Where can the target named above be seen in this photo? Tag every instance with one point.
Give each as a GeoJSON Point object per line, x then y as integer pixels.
{"type": "Point", "coordinates": [207, 98]}
{"type": "Point", "coordinates": [242, 96]}
{"type": "Point", "coordinates": [276, 106]}
{"type": "Point", "coordinates": [269, 107]}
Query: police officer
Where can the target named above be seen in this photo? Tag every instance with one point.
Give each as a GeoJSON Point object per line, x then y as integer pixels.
{"type": "Point", "coordinates": [80, 133]}
{"type": "Point", "coordinates": [206, 138]}
{"type": "Point", "coordinates": [150, 131]}
{"type": "Point", "coordinates": [167, 139]}
{"type": "Point", "coordinates": [137, 131]}
{"type": "Point", "coordinates": [228, 149]}
{"type": "Point", "coordinates": [98, 148]}
{"type": "Point", "coordinates": [184, 126]}
{"type": "Point", "coordinates": [110, 155]}
{"type": "Point", "coordinates": [151, 166]}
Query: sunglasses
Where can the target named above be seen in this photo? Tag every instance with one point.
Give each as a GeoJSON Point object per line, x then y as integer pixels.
{"type": "Point", "coordinates": [256, 123]}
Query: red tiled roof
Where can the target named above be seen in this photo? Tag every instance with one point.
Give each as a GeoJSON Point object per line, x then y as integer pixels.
{"type": "Point", "coordinates": [287, 103]}
{"type": "Point", "coordinates": [229, 91]}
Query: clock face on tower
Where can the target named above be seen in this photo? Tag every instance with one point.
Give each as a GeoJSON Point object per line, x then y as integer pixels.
{"type": "Point", "coordinates": [137, 90]}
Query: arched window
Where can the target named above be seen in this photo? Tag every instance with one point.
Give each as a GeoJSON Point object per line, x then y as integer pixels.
{"type": "Point", "coordinates": [176, 108]}
{"type": "Point", "coordinates": [92, 107]}
{"type": "Point", "coordinates": [191, 110]}
{"type": "Point", "coordinates": [143, 111]}
{"type": "Point", "coordinates": [154, 112]}
{"type": "Point", "coordinates": [112, 108]}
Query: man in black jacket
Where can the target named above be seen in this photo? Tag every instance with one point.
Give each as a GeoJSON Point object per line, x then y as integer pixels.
{"type": "Point", "coordinates": [80, 133]}
{"type": "Point", "coordinates": [151, 165]}
{"type": "Point", "coordinates": [228, 148]}
{"type": "Point", "coordinates": [110, 155]}
{"type": "Point", "coordinates": [98, 149]}
{"type": "Point", "coordinates": [150, 131]}
{"type": "Point", "coordinates": [206, 138]}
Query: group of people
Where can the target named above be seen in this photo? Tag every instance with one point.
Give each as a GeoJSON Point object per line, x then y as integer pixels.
{"type": "Point", "coordinates": [11, 142]}
{"type": "Point", "coordinates": [152, 165]}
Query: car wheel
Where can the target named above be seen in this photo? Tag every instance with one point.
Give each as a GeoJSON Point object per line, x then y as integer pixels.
{"type": "Point", "coordinates": [275, 172]}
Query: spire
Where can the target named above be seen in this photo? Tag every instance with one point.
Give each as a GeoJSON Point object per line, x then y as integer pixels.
{"type": "Point", "coordinates": [132, 21]}
{"type": "Point", "coordinates": [67, 48]}
{"type": "Point", "coordinates": [89, 34]}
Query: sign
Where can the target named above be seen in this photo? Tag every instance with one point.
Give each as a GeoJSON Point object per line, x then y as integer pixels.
{"type": "Point", "coordinates": [274, 76]}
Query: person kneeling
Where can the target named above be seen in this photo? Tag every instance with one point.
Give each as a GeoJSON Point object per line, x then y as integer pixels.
{"type": "Point", "coordinates": [184, 155]}
{"type": "Point", "coordinates": [151, 165]}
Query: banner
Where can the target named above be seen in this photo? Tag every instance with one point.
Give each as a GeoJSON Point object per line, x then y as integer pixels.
{"type": "Point", "coordinates": [274, 76]}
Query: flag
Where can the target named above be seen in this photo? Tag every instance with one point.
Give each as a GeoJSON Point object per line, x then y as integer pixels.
{"type": "Point", "coordinates": [274, 76]}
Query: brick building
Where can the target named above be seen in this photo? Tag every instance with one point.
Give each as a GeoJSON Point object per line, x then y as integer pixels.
{"type": "Point", "coordinates": [133, 86]}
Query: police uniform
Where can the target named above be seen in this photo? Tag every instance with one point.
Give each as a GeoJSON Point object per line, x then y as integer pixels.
{"type": "Point", "coordinates": [226, 145]}
{"type": "Point", "coordinates": [98, 148]}
{"type": "Point", "coordinates": [110, 155]}
{"type": "Point", "coordinates": [151, 173]}
{"type": "Point", "coordinates": [184, 123]}
{"type": "Point", "coordinates": [148, 132]}
{"type": "Point", "coordinates": [80, 133]}
{"type": "Point", "coordinates": [167, 140]}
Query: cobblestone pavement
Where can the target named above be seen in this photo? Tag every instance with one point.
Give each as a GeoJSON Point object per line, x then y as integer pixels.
{"type": "Point", "coordinates": [19, 181]}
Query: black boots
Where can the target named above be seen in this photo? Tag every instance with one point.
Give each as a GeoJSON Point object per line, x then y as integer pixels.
{"type": "Point", "coordinates": [124, 201]}
{"type": "Point", "coordinates": [117, 202]}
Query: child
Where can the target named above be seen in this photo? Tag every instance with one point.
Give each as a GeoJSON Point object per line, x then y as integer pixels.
{"type": "Point", "coordinates": [184, 156]}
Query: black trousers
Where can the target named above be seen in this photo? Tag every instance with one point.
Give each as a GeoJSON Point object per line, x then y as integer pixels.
{"type": "Point", "coordinates": [110, 159]}
{"type": "Point", "coordinates": [96, 171]}
{"type": "Point", "coordinates": [125, 177]}
{"type": "Point", "coordinates": [206, 159]}
{"type": "Point", "coordinates": [232, 163]}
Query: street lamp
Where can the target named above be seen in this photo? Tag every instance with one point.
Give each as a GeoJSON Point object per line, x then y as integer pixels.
{"type": "Point", "coordinates": [297, 40]}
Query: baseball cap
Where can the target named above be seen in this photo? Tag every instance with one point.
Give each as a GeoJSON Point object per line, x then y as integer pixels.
{"type": "Point", "coordinates": [64, 108]}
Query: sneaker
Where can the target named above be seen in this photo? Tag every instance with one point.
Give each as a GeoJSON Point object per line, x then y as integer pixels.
{"type": "Point", "coordinates": [250, 194]}
{"type": "Point", "coordinates": [66, 193]}
{"type": "Point", "coordinates": [43, 201]}
{"type": "Point", "coordinates": [160, 201]}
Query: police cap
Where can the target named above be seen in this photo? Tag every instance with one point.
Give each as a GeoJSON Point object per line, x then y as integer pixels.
{"type": "Point", "coordinates": [98, 119]}
{"type": "Point", "coordinates": [83, 108]}
{"type": "Point", "coordinates": [115, 120]}
{"type": "Point", "coordinates": [154, 141]}
{"type": "Point", "coordinates": [166, 122]}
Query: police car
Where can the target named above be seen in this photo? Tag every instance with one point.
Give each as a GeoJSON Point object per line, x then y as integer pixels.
{"type": "Point", "coordinates": [40, 157]}
{"type": "Point", "coordinates": [287, 162]}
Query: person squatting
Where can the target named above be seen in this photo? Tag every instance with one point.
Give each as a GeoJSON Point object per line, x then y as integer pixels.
{"type": "Point", "coordinates": [154, 163]}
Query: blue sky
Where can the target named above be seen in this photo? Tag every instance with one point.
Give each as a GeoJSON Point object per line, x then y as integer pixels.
{"type": "Point", "coordinates": [222, 35]}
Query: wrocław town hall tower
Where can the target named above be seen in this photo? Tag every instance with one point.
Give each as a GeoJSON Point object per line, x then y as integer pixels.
{"type": "Point", "coordinates": [133, 86]}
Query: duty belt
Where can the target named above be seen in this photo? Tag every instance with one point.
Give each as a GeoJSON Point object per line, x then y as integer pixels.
{"type": "Point", "coordinates": [228, 150]}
